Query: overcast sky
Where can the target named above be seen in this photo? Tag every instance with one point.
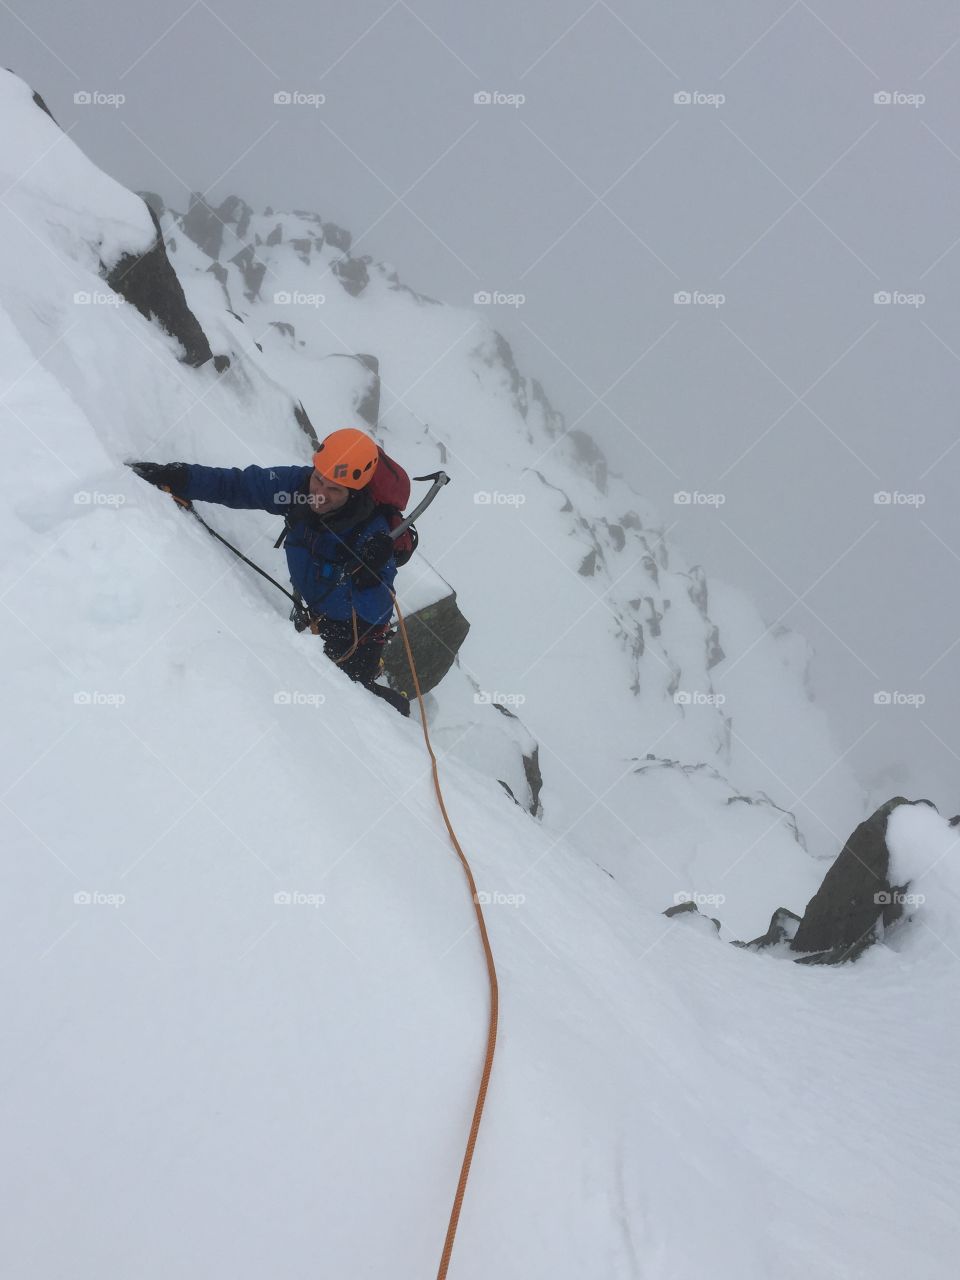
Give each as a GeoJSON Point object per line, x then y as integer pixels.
{"type": "Point", "coordinates": [782, 194]}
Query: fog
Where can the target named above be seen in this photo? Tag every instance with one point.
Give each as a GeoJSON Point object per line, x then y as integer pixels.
{"type": "Point", "coordinates": [793, 170]}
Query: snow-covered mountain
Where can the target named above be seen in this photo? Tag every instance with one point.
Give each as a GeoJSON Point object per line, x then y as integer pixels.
{"type": "Point", "coordinates": [584, 619]}
{"type": "Point", "coordinates": [248, 1008]}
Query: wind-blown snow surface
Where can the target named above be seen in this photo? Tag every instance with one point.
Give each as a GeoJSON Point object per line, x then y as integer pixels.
{"type": "Point", "coordinates": [203, 1080]}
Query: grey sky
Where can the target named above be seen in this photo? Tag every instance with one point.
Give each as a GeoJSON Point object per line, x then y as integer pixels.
{"type": "Point", "coordinates": [798, 198]}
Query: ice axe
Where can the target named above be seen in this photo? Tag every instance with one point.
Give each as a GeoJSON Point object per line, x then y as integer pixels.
{"type": "Point", "coordinates": [439, 478]}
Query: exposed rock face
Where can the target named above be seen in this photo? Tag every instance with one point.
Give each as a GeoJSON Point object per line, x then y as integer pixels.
{"type": "Point", "coordinates": [587, 454]}
{"type": "Point", "coordinates": [336, 236]}
{"type": "Point", "coordinates": [526, 394]}
{"type": "Point", "coordinates": [42, 105]}
{"type": "Point", "coordinates": [205, 225]}
{"type": "Point", "coordinates": [856, 900]}
{"type": "Point", "coordinates": [352, 274]}
{"type": "Point", "coordinates": [782, 928]}
{"type": "Point", "coordinates": [253, 271]}
{"type": "Point", "coordinates": [531, 765]}
{"type": "Point", "coordinates": [436, 633]}
{"type": "Point", "coordinates": [366, 392]}
{"type": "Point", "coordinates": [368, 406]}
{"type": "Point", "coordinates": [149, 283]}
{"type": "Point", "coordinates": [202, 225]}
{"type": "Point", "coordinates": [153, 201]}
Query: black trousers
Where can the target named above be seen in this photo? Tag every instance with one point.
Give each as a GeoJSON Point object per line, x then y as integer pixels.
{"type": "Point", "coordinates": [366, 661]}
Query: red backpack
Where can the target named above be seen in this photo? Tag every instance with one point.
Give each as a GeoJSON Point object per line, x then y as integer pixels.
{"type": "Point", "coordinates": [390, 489]}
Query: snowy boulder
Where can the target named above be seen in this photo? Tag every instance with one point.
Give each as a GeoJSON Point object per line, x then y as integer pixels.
{"type": "Point", "coordinates": [526, 795]}
{"type": "Point", "coordinates": [856, 900]}
{"type": "Point", "coordinates": [436, 629]}
{"type": "Point", "coordinates": [477, 726]}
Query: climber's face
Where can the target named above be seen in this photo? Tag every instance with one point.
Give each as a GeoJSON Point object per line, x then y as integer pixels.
{"type": "Point", "coordinates": [324, 496]}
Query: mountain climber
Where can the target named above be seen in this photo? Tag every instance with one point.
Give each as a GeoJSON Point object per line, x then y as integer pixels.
{"type": "Point", "coordinates": [339, 552]}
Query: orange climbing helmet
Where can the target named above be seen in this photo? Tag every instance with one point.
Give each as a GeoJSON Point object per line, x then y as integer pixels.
{"type": "Point", "coordinates": [347, 457]}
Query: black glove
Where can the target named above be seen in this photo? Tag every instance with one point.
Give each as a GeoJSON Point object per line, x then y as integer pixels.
{"type": "Point", "coordinates": [372, 560]}
{"type": "Point", "coordinates": [165, 475]}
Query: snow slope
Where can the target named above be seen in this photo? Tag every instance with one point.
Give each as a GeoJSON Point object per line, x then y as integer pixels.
{"type": "Point", "coordinates": [245, 1002]}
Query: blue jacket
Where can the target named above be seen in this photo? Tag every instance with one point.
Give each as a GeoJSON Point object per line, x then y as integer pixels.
{"type": "Point", "coordinates": [318, 557]}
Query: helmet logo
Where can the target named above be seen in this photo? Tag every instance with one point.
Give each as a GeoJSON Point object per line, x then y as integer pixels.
{"type": "Point", "coordinates": [340, 470]}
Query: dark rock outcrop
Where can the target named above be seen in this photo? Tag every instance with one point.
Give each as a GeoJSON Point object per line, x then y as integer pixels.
{"type": "Point", "coordinates": [304, 423]}
{"type": "Point", "coordinates": [782, 927]}
{"type": "Point", "coordinates": [352, 274]}
{"type": "Point", "coordinates": [368, 406]}
{"type": "Point", "coordinates": [531, 770]}
{"type": "Point", "coordinates": [205, 225]}
{"type": "Point", "coordinates": [43, 107]}
{"type": "Point", "coordinates": [153, 201]}
{"type": "Point", "coordinates": [148, 282]}
{"type": "Point", "coordinates": [202, 224]}
{"type": "Point", "coordinates": [691, 908]}
{"type": "Point", "coordinates": [286, 329]}
{"type": "Point", "coordinates": [436, 633]}
{"type": "Point", "coordinates": [856, 900]}
{"type": "Point", "coordinates": [366, 394]}
{"type": "Point", "coordinates": [252, 270]}
{"type": "Point", "coordinates": [337, 237]}
{"type": "Point", "coordinates": [586, 453]}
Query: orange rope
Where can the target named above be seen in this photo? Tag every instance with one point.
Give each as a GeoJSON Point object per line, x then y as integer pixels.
{"type": "Point", "coordinates": [356, 640]}
{"type": "Point", "coordinates": [491, 973]}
